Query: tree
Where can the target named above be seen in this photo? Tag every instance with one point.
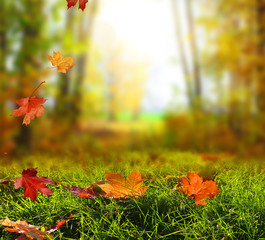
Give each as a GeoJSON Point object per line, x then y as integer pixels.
{"type": "Point", "coordinates": [192, 76]}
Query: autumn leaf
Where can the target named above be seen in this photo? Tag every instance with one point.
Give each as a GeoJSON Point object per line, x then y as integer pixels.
{"type": "Point", "coordinates": [6, 181]}
{"type": "Point", "coordinates": [26, 230]}
{"type": "Point", "coordinates": [89, 192]}
{"type": "Point", "coordinates": [58, 224]}
{"type": "Point", "coordinates": [29, 232]}
{"type": "Point", "coordinates": [82, 3]}
{"type": "Point", "coordinates": [32, 183]}
{"type": "Point", "coordinates": [120, 187]}
{"type": "Point", "coordinates": [198, 189]}
{"type": "Point", "coordinates": [210, 157]}
{"type": "Point", "coordinates": [31, 107]}
{"type": "Point", "coordinates": [63, 63]}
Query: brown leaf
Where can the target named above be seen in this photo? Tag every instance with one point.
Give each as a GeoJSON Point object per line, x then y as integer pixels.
{"type": "Point", "coordinates": [26, 230]}
{"type": "Point", "coordinates": [6, 181]}
{"type": "Point", "coordinates": [30, 232]}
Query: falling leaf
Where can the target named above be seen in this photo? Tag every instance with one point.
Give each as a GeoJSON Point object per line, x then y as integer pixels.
{"type": "Point", "coordinates": [119, 187]}
{"type": "Point", "coordinates": [82, 3]}
{"type": "Point", "coordinates": [29, 232]}
{"type": "Point", "coordinates": [30, 107]}
{"type": "Point", "coordinates": [32, 183]}
{"type": "Point", "coordinates": [89, 192]}
{"type": "Point", "coordinates": [63, 63]}
{"type": "Point", "coordinates": [198, 189]}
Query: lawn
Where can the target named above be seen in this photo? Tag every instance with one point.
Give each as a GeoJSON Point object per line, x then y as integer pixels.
{"type": "Point", "coordinates": [237, 212]}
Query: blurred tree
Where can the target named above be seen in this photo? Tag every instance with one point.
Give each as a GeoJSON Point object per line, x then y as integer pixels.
{"type": "Point", "coordinates": [127, 72]}
{"type": "Point", "coordinates": [231, 54]}
{"type": "Point", "coordinates": [84, 35]}
{"type": "Point", "coordinates": [63, 105]}
{"type": "Point", "coordinates": [195, 58]}
{"type": "Point", "coordinates": [77, 40]}
{"type": "Point", "coordinates": [183, 58]}
{"type": "Point", "coordinates": [27, 61]}
{"type": "Point", "coordinates": [260, 21]}
{"type": "Point", "coordinates": [192, 76]}
{"type": "Point", "coordinates": [7, 13]}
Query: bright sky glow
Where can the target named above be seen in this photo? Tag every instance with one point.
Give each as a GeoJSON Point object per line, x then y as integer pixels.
{"type": "Point", "coordinates": [148, 26]}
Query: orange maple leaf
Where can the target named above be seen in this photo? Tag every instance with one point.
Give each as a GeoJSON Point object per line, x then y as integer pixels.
{"type": "Point", "coordinates": [120, 187]}
{"type": "Point", "coordinates": [29, 232]}
{"type": "Point", "coordinates": [30, 107]}
{"type": "Point", "coordinates": [82, 3]}
{"type": "Point", "coordinates": [63, 63]}
{"type": "Point", "coordinates": [26, 230]}
{"type": "Point", "coordinates": [198, 189]}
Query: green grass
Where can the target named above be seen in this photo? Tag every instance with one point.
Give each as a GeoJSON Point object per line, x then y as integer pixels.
{"type": "Point", "coordinates": [237, 212]}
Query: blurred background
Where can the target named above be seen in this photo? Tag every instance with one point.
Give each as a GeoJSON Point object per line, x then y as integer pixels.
{"type": "Point", "coordinates": [171, 74]}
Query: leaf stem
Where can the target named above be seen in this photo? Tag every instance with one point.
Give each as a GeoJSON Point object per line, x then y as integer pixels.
{"type": "Point", "coordinates": [37, 88]}
{"type": "Point", "coordinates": [10, 163]}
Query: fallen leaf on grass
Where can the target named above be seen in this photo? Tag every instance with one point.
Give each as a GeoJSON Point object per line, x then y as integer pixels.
{"type": "Point", "coordinates": [210, 157]}
{"type": "Point", "coordinates": [63, 63]}
{"type": "Point", "coordinates": [89, 192]}
{"type": "Point", "coordinates": [26, 230]}
{"type": "Point", "coordinates": [31, 107]}
{"type": "Point", "coordinates": [122, 188]}
{"type": "Point", "coordinates": [30, 232]}
{"type": "Point", "coordinates": [82, 3]}
{"type": "Point", "coordinates": [198, 189]}
{"type": "Point", "coordinates": [32, 183]}
{"type": "Point", "coordinates": [60, 223]}
{"type": "Point", "coordinates": [6, 181]}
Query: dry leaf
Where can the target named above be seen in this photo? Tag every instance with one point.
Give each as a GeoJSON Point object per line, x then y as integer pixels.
{"type": "Point", "coordinates": [32, 183]}
{"type": "Point", "coordinates": [198, 189]}
{"type": "Point", "coordinates": [63, 63]}
{"type": "Point", "coordinates": [30, 107]}
{"type": "Point", "coordinates": [120, 187]}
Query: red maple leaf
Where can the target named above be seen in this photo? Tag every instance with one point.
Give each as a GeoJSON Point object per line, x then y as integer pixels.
{"type": "Point", "coordinates": [82, 3]}
{"type": "Point", "coordinates": [198, 189]}
{"type": "Point", "coordinates": [30, 107]}
{"type": "Point", "coordinates": [89, 192]}
{"type": "Point", "coordinates": [32, 183]}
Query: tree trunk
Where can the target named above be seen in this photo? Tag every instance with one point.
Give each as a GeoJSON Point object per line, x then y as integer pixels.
{"type": "Point", "coordinates": [27, 60]}
{"type": "Point", "coordinates": [3, 48]}
{"type": "Point", "coordinates": [195, 58]}
{"type": "Point", "coordinates": [183, 59]}
{"type": "Point", "coordinates": [85, 35]}
{"type": "Point", "coordinates": [261, 54]}
{"type": "Point", "coordinates": [63, 105]}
